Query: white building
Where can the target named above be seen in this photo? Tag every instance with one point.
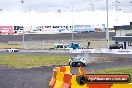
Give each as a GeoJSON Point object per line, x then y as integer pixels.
{"type": "Point", "coordinates": [123, 35]}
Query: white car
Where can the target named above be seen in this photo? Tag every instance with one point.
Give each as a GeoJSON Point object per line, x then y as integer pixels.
{"type": "Point", "coordinates": [77, 61]}
{"type": "Point", "coordinates": [12, 50]}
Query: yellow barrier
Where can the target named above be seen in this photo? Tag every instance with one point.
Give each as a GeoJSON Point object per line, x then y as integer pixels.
{"type": "Point", "coordinates": [58, 79]}
{"type": "Point", "coordinates": [74, 83]}
{"type": "Point", "coordinates": [61, 78]}
{"type": "Point", "coordinates": [122, 86]}
{"type": "Point", "coordinates": [53, 79]}
{"type": "Point", "coordinates": [65, 69]}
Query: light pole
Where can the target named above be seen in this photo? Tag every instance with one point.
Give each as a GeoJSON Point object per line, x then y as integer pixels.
{"type": "Point", "coordinates": [72, 22]}
{"type": "Point", "coordinates": [23, 35]}
{"type": "Point", "coordinates": [92, 14]}
{"type": "Point", "coordinates": [59, 18]}
{"type": "Point", "coordinates": [107, 30]}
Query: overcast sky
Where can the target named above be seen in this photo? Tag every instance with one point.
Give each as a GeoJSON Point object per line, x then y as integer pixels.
{"type": "Point", "coordinates": [64, 5]}
{"type": "Point", "coordinates": [40, 9]}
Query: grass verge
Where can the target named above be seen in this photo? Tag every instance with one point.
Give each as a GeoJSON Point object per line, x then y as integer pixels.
{"type": "Point", "coordinates": [124, 70]}
{"type": "Point", "coordinates": [26, 61]}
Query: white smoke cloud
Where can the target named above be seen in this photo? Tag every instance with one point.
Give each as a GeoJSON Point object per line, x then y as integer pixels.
{"type": "Point", "coordinates": [87, 58]}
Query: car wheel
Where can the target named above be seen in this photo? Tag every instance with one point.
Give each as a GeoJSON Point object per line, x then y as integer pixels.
{"type": "Point", "coordinates": [83, 64]}
{"type": "Point", "coordinates": [69, 63]}
{"type": "Point", "coordinates": [72, 64]}
{"type": "Point", "coordinates": [16, 50]}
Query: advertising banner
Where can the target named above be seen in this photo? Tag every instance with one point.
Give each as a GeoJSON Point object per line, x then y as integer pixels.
{"type": "Point", "coordinates": [6, 30]}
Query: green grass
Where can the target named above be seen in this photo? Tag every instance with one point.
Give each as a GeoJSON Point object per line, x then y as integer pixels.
{"type": "Point", "coordinates": [24, 61]}
{"type": "Point", "coordinates": [5, 45]}
{"type": "Point", "coordinates": [124, 70]}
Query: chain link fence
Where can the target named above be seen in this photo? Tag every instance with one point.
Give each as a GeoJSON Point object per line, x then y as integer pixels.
{"type": "Point", "coordinates": [47, 44]}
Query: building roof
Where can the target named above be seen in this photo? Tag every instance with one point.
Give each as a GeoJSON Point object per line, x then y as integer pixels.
{"type": "Point", "coordinates": [125, 27]}
{"type": "Point", "coordinates": [122, 38]}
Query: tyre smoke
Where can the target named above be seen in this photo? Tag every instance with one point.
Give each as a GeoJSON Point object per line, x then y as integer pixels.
{"type": "Point", "coordinates": [87, 58]}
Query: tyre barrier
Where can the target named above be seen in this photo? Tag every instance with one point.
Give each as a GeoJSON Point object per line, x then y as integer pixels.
{"type": "Point", "coordinates": [62, 78]}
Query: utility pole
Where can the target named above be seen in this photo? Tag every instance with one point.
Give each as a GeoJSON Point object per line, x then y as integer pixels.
{"type": "Point", "coordinates": [59, 11]}
{"type": "Point", "coordinates": [1, 10]}
{"type": "Point", "coordinates": [116, 8]}
{"type": "Point", "coordinates": [92, 7]}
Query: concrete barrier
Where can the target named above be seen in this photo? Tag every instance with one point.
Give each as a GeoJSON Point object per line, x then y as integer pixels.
{"type": "Point", "coordinates": [101, 51]}
{"type": "Point", "coordinates": [62, 78]}
{"type": "Point", "coordinates": [45, 50]}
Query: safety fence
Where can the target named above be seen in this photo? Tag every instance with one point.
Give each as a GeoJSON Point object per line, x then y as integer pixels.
{"type": "Point", "coordinates": [42, 44]}
{"type": "Point", "coordinates": [62, 78]}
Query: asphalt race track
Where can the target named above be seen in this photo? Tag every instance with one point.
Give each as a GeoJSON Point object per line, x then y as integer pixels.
{"type": "Point", "coordinates": [25, 78]}
{"type": "Point", "coordinates": [39, 77]}
{"type": "Point", "coordinates": [41, 37]}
